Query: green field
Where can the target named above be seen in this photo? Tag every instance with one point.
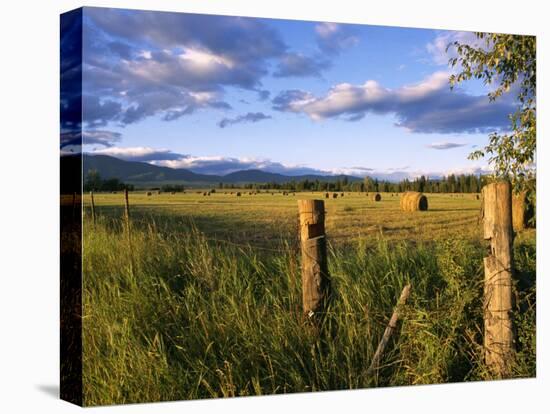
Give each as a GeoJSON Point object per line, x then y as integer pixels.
{"type": "Point", "coordinates": [205, 300]}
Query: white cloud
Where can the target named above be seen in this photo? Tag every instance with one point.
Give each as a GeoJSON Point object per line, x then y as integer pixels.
{"type": "Point", "coordinates": [205, 60]}
{"type": "Point", "coordinates": [426, 106]}
{"type": "Point", "coordinates": [438, 47]}
{"type": "Point", "coordinates": [138, 153]}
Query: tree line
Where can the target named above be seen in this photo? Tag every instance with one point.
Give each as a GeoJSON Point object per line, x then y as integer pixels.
{"type": "Point", "coordinates": [463, 183]}
{"type": "Point", "coordinates": [94, 182]}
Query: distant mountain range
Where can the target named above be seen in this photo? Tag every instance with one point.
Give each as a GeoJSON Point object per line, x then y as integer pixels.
{"type": "Point", "coordinates": [142, 173]}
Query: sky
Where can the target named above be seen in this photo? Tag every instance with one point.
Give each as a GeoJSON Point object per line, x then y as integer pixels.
{"type": "Point", "coordinates": [217, 94]}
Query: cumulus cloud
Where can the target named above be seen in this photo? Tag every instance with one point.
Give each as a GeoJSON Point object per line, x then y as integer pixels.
{"type": "Point", "coordinates": [142, 63]}
{"type": "Point", "coordinates": [100, 137]}
{"type": "Point", "coordinates": [428, 106]}
{"type": "Point", "coordinates": [445, 145]}
{"type": "Point", "coordinates": [71, 139]}
{"type": "Point", "coordinates": [97, 112]}
{"type": "Point", "coordinates": [334, 38]}
{"type": "Point", "coordinates": [71, 66]}
{"type": "Point", "coordinates": [250, 117]}
{"type": "Point", "coordinates": [299, 65]}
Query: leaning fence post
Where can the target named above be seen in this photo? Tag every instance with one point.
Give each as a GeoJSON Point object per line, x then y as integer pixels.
{"type": "Point", "coordinates": [315, 277]}
{"type": "Point", "coordinates": [392, 325]}
{"type": "Point", "coordinates": [92, 207]}
{"type": "Point", "coordinates": [497, 228]}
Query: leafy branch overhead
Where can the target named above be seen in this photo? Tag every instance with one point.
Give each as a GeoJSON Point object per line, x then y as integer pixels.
{"type": "Point", "coordinates": [507, 62]}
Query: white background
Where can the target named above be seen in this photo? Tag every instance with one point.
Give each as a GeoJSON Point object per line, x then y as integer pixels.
{"type": "Point", "coordinates": [29, 145]}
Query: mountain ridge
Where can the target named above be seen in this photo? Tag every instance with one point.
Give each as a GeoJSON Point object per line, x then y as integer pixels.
{"type": "Point", "coordinates": [136, 172]}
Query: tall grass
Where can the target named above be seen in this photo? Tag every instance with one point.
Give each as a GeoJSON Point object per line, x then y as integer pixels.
{"type": "Point", "coordinates": [192, 318]}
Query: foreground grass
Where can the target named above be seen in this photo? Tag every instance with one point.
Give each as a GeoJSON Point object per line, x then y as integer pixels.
{"type": "Point", "coordinates": [183, 317]}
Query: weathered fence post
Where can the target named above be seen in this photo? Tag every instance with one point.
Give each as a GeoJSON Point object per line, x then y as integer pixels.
{"type": "Point", "coordinates": [497, 228]}
{"type": "Point", "coordinates": [92, 207]}
{"type": "Point", "coordinates": [127, 229]}
{"type": "Point", "coordinates": [126, 212]}
{"type": "Point", "coordinates": [315, 277]}
{"type": "Point", "coordinates": [392, 324]}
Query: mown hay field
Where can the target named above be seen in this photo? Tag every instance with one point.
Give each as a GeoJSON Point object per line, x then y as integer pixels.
{"type": "Point", "coordinates": [264, 217]}
{"type": "Point", "coordinates": [205, 300]}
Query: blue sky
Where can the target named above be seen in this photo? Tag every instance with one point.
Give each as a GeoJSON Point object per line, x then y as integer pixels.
{"type": "Point", "coordinates": [217, 94]}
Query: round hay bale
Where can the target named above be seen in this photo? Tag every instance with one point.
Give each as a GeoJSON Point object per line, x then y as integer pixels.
{"type": "Point", "coordinates": [377, 197]}
{"type": "Point", "coordinates": [413, 201]}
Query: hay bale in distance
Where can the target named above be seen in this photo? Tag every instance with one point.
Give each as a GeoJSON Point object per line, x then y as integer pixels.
{"type": "Point", "coordinates": [149, 194]}
{"type": "Point", "coordinates": [413, 201]}
{"type": "Point", "coordinates": [376, 197]}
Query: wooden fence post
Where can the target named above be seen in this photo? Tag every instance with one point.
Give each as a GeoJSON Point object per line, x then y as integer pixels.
{"type": "Point", "coordinates": [92, 207]}
{"type": "Point", "coordinates": [392, 324]}
{"type": "Point", "coordinates": [315, 277]}
{"type": "Point", "coordinates": [126, 212]}
{"type": "Point", "coordinates": [497, 228]}
{"type": "Point", "coordinates": [127, 230]}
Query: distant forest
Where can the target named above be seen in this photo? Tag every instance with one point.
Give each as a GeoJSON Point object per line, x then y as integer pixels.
{"type": "Point", "coordinates": [450, 184]}
{"type": "Point", "coordinates": [462, 183]}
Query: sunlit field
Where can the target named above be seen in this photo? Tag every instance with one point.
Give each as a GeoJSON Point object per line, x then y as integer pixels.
{"type": "Point", "coordinates": [204, 298]}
